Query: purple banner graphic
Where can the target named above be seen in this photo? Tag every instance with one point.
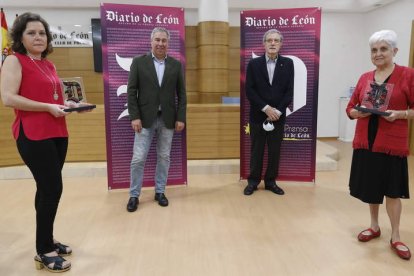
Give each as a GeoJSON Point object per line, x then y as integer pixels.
{"type": "Point", "coordinates": [301, 39]}
{"type": "Point", "coordinates": [126, 32]}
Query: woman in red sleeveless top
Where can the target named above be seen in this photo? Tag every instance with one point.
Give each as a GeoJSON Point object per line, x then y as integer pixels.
{"type": "Point", "coordinates": [30, 85]}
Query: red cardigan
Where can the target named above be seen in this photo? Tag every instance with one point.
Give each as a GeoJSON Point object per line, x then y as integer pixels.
{"type": "Point", "coordinates": [392, 137]}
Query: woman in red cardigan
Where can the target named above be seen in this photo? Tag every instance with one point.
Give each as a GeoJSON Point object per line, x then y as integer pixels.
{"type": "Point", "coordinates": [379, 163]}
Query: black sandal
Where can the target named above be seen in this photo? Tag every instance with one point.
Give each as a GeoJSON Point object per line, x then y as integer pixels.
{"type": "Point", "coordinates": [42, 261]}
{"type": "Point", "coordinates": [62, 249]}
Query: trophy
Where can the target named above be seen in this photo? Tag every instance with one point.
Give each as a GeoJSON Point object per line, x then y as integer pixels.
{"type": "Point", "coordinates": [376, 98]}
{"type": "Point", "coordinates": [73, 91]}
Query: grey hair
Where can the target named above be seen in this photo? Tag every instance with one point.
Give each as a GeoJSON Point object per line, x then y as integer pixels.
{"type": "Point", "coordinates": [272, 31]}
{"type": "Point", "coordinates": [160, 30]}
{"type": "Point", "coordinates": [388, 36]}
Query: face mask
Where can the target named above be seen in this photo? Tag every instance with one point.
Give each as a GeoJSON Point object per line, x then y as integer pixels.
{"type": "Point", "coordinates": [268, 125]}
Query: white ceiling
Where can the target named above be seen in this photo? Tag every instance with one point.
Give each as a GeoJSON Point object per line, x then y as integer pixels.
{"type": "Point", "coordinates": [327, 5]}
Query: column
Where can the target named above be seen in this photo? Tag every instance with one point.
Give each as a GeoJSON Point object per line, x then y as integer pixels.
{"type": "Point", "coordinates": [212, 50]}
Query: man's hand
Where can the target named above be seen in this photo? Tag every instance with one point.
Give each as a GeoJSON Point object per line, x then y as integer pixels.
{"type": "Point", "coordinates": [272, 113]}
{"type": "Point", "coordinates": [179, 126]}
{"type": "Point", "coordinates": [136, 125]}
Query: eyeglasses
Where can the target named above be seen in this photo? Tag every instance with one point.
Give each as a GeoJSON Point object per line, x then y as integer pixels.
{"type": "Point", "coordinates": [270, 40]}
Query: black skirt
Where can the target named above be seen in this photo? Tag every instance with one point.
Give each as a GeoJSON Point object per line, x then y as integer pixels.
{"type": "Point", "coordinates": [375, 175]}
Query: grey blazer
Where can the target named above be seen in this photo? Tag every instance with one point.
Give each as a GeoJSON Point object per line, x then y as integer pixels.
{"type": "Point", "coordinates": [145, 95]}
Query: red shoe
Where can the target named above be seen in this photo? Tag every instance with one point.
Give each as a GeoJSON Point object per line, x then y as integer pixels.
{"type": "Point", "coordinates": [372, 234]}
{"type": "Point", "coordinates": [403, 254]}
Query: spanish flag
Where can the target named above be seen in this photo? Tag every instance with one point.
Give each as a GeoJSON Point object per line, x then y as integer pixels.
{"type": "Point", "coordinates": [4, 40]}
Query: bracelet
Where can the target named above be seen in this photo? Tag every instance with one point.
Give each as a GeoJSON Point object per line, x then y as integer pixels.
{"type": "Point", "coordinates": [406, 114]}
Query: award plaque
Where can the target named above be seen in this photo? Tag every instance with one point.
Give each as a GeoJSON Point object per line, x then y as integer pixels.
{"type": "Point", "coordinates": [73, 91]}
{"type": "Point", "coordinates": [376, 98]}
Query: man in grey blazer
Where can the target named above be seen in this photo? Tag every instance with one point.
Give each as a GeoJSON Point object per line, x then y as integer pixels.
{"type": "Point", "coordinates": [269, 89]}
{"type": "Point", "coordinates": [155, 82]}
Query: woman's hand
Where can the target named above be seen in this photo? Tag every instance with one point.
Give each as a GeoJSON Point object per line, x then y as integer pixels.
{"type": "Point", "coordinates": [71, 104]}
{"type": "Point", "coordinates": [356, 114]}
{"type": "Point", "coordinates": [56, 110]}
{"type": "Point", "coordinates": [395, 115]}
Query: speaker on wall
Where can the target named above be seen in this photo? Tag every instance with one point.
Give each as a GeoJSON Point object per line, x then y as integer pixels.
{"type": "Point", "coordinates": [97, 44]}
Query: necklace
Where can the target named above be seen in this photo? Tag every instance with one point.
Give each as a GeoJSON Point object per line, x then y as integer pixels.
{"type": "Point", "coordinates": [51, 79]}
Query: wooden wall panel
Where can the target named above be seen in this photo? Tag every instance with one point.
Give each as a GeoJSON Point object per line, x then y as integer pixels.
{"type": "Point", "coordinates": [213, 131]}
{"type": "Point", "coordinates": [78, 62]}
{"type": "Point", "coordinates": [191, 80]}
{"type": "Point", "coordinates": [234, 81]}
{"type": "Point", "coordinates": [191, 67]}
{"type": "Point", "coordinates": [213, 33]}
{"type": "Point", "coordinates": [234, 62]}
{"type": "Point", "coordinates": [191, 36]}
{"type": "Point", "coordinates": [191, 58]}
{"type": "Point", "coordinates": [73, 58]}
{"type": "Point", "coordinates": [213, 57]}
{"type": "Point", "coordinates": [212, 97]}
{"type": "Point", "coordinates": [87, 140]}
{"type": "Point", "coordinates": [86, 137]}
{"type": "Point", "coordinates": [234, 37]}
{"type": "Point", "coordinates": [9, 155]}
{"type": "Point", "coordinates": [212, 49]}
{"type": "Point", "coordinates": [213, 81]}
{"type": "Point", "coordinates": [234, 59]}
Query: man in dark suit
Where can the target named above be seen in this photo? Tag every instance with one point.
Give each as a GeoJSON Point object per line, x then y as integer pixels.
{"type": "Point", "coordinates": [269, 89]}
{"type": "Point", "coordinates": [155, 81]}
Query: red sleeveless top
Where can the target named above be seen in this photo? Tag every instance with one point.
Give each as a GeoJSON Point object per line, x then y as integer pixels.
{"type": "Point", "coordinates": [35, 85]}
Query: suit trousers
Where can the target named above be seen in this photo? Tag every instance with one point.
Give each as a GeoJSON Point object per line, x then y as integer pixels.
{"type": "Point", "coordinates": [45, 159]}
{"type": "Point", "coordinates": [259, 138]}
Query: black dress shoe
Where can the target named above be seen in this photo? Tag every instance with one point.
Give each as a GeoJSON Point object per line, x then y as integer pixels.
{"type": "Point", "coordinates": [162, 199]}
{"type": "Point", "coordinates": [250, 188]}
{"type": "Point", "coordinates": [272, 186]}
{"type": "Point", "coordinates": [132, 205]}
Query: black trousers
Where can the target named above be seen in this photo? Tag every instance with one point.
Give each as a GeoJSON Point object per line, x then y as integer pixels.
{"type": "Point", "coordinates": [259, 138]}
{"type": "Point", "coordinates": [45, 159]}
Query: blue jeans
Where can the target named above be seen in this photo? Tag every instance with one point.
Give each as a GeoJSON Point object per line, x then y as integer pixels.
{"type": "Point", "coordinates": [142, 143]}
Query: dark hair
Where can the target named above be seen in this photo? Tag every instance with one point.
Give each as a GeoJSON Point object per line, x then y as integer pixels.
{"type": "Point", "coordinates": [19, 26]}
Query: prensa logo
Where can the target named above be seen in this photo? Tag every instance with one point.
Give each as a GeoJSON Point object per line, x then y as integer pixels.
{"type": "Point", "coordinates": [114, 16]}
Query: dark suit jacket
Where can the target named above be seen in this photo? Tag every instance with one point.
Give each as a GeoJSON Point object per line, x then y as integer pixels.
{"type": "Point", "coordinates": [145, 94]}
{"type": "Point", "coordinates": [260, 92]}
